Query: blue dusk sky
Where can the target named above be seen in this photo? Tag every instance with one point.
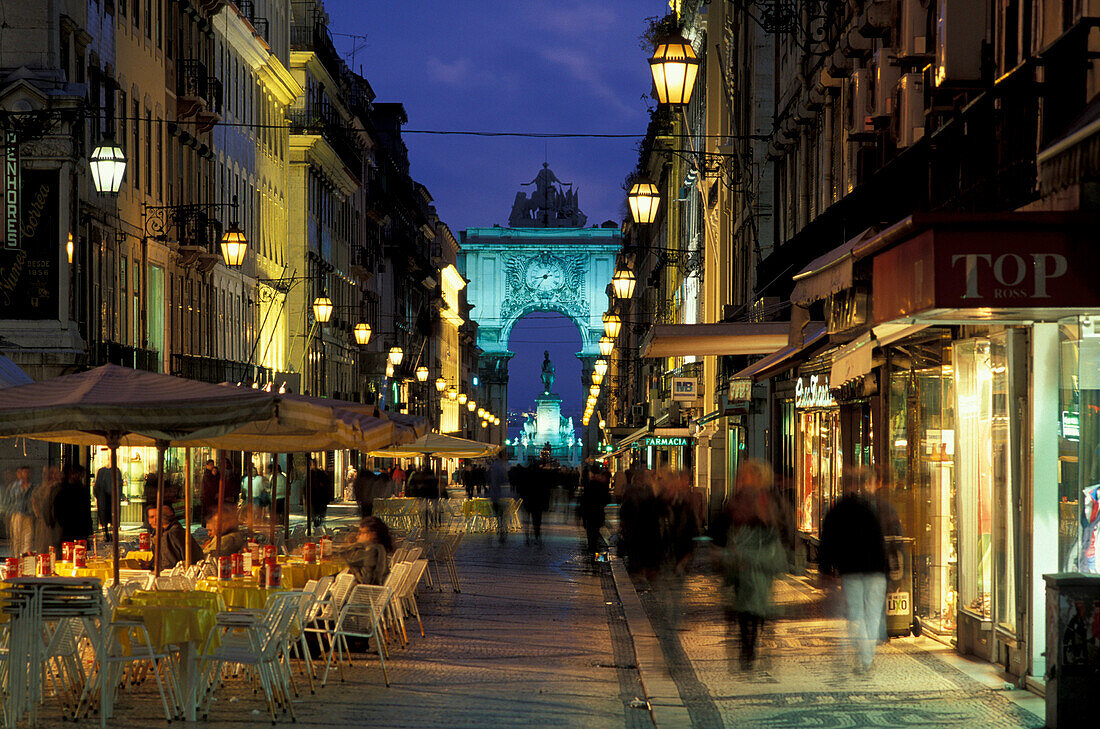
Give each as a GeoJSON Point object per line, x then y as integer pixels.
{"type": "Point", "coordinates": [518, 66]}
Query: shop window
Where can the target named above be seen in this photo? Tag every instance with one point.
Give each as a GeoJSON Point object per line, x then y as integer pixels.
{"type": "Point", "coordinates": [1079, 446]}
{"type": "Point", "coordinates": [820, 464]}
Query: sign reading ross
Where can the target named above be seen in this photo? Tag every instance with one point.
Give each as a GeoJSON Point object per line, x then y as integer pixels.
{"type": "Point", "coordinates": [685, 388]}
{"type": "Point", "coordinates": [813, 392]}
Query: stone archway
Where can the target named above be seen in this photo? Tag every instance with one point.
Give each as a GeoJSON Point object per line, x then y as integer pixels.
{"type": "Point", "coordinates": [551, 266]}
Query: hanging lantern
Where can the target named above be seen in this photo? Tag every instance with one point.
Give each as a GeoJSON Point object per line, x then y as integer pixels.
{"type": "Point", "coordinates": [462, 398]}
{"type": "Point", "coordinates": [481, 413]}
{"type": "Point", "coordinates": [234, 246]}
{"type": "Point", "coordinates": [597, 378]}
{"type": "Point", "coordinates": [108, 165]}
{"type": "Point", "coordinates": [612, 325]}
{"type": "Point", "coordinates": [594, 391]}
{"type": "Point", "coordinates": [421, 374]}
{"type": "Point", "coordinates": [622, 283]}
{"type": "Point", "coordinates": [362, 333]}
{"type": "Point", "coordinates": [322, 309]}
{"type": "Point", "coordinates": [600, 366]}
{"type": "Point", "coordinates": [674, 66]}
{"type": "Point", "coordinates": [440, 384]}
{"type": "Point", "coordinates": [396, 355]}
{"type": "Point", "coordinates": [607, 346]}
{"type": "Point", "coordinates": [643, 199]}
{"type": "Point", "coordinates": [452, 393]}
{"type": "Point", "coordinates": [471, 405]}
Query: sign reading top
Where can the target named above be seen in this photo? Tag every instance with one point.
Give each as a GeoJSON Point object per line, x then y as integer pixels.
{"type": "Point", "coordinates": [1019, 263]}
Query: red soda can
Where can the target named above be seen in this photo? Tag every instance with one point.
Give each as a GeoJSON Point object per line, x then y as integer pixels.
{"type": "Point", "coordinates": [83, 543]}
{"type": "Point", "coordinates": [269, 552]}
{"type": "Point", "coordinates": [274, 574]}
{"type": "Point", "coordinates": [11, 568]}
{"type": "Point", "coordinates": [309, 553]}
{"type": "Point", "coordinates": [246, 563]}
{"type": "Point", "coordinates": [42, 565]}
{"type": "Point", "coordinates": [326, 547]}
{"type": "Point", "coordinates": [237, 562]}
{"type": "Point", "coordinates": [80, 555]}
{"type": "Point", "coordinates": [225, 568]}
{"type": "Point", "coordinates": [143, 542]}
{"type": "Point", "coordinates": [67, 551]}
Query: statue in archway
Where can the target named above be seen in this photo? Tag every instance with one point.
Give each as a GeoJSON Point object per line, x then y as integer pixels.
{"type": "Point", "coordinates": [547, 373]}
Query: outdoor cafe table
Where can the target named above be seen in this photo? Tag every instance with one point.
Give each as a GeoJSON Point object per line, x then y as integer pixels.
{"type": "Point", "coordinates": [99, 568]}
{"type": "Point", "coordinates": [182, 618]}
{"type": "Point", "coordinates": [296, 572]}
{"type": "Point", "coordinates": [238, 593]}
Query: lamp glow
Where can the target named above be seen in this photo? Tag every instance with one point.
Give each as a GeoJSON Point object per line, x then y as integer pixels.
{"type": "Point", "coordinates": [594, 391]}
{"type": "Point", "coordinates": [622, 283]}
{"type": "Point", "coordinates": [396, 355]}
{"type": "Point", "coordinates": [389, 369]}
{"type": "Point", "coordinates": [69, 249]}
{"type": "Point", "coordinates": [597, 378]}
{"type": "Point", "coordinates": [471, 405]}
{"type": "Point", "coordinates": [362, 332]}
{"type": "Point", "coordinates": [452, 394]}
{"type": "Point", "coordinates": [643, 199]}
{"type": "Point", "coordinates": [322, 309]}
{"type": "Point", "coordinates": [600, 366]}
{"type": "Point", "coordinates": [612, 325]}
{"type": "Point", "coordinates": [421, 374]}
{"type": "Point", "coordinates": [234, 246]}
{"type": "Point", "coordinates": [674, 66]}
{"type": "Point", "coordinates": [462, 398]}
{"type": "Point", "coordinates": [607, 346]}
{"type": "Point", "coordinates": [108, 165]}
{"type": "Point", "coordinates": [440, 385]}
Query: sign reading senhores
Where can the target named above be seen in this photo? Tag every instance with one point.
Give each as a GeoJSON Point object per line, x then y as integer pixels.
{"type": "Point", "coordinates": [685, 388]}
{"type": "Point", "coordinates": [29, 269]}
{"type": "Point", "coordinates": [813, 392]}
{"type": "Point", "coordinates": [11, 189]}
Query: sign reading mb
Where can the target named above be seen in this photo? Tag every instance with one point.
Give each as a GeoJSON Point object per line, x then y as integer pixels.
{"type": "Point", "coordinates": [685, 388]}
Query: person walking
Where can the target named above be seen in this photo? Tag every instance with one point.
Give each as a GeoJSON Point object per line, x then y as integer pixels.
{"type": "Point", "coordinates": [594, 500]}
{"type": "Point", "coordinates": [208, 490]}
{"type": "Point", "coordinates": [72, 507]}
{"type": "Point", "coordinates": [21, 522]}
{"type": "Point", "coordinates": [47, 532]}
{"type": "Point", "coordinates": [853, 547]}
{"type": "Point", "coordinates": [498, 477]}
{"type": "Point", "coordinates": [103, 491]}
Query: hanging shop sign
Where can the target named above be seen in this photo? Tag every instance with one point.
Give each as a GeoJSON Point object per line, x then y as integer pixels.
{"type": "Point", "coordinates": [664, 441]}
{"type": "Point", "coordinates": [685, 388]}
{"type": "Point", "coordinates": [740, 390]}
{"type": "Point", "coordinates": [11, 189]}
{"type": "Point", "coordinates": [812, 391]}
{"type": "Point", "coordinates": [29, 269]}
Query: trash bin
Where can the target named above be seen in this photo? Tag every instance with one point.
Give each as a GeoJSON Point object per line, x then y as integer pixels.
{"type": "Point", "coordinates": [1073, 649]}
{"type": "Point", "coordinates": [899, 586]}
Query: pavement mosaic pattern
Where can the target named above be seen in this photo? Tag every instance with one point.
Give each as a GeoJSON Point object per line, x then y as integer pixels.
{"type": "Point", "coordinates": [803, 676]}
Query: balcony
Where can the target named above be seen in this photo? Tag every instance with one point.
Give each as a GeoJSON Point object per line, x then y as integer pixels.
{"type": "Point", "coordinates": [321, 118]}
{"type": "Point", "coordinates": [247, 9]}
{"type": "Point", "coordinates": [212, 369]}
{"type": "Point", "coordinates": [122, 355]}
{"type": "Point", "coordinates": [194, 93]}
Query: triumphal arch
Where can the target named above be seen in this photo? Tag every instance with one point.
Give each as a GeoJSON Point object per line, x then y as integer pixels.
{"type": "Point", "coordinates": [545, 260]}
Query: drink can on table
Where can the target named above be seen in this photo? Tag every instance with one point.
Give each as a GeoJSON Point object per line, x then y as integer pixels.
{"type": "Point", "coordinates": [80, 555]}
{"type": "Point", "coordinates": [269, 552]}
{"type": "Point", "coordinates": [11, 568]}
{"type": "Point", "coordinates": [309, 553]}
{"type": "Point", "coordinates": [53, 560]}
{"type": "Point", "coordinates": [237, 562]}
{"type": "Point", "coordinates": [274, 574]}
{"type": "Point", "coordinates": [326, 547]}
{"type": "Point", "coordinates": [42, 566]}
{"type": "Point", "coordinates": [225, 568]}
{"type": "Point", "coordinates": [246, 560]}
{"type": "Point", "coordinates": [143, 542]}
{"type": "Point", "coordinates": [83, 543]}
{"type": "Point", "coordinates": [67, 551]}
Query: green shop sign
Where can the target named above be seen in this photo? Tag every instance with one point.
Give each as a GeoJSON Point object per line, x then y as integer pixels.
{"type": "Point", "coordinates": [664, 441]}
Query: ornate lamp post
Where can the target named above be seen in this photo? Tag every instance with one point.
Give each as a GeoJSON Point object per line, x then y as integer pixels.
{"type": "Point", "coordinates": [623, 283]}
{"type": "Point", "coordinates": [674, 66]}
{"type": "Point", "coordinates": [322, 309]}
{"type": "Point", "coordinates": [108, 165]}
{"type": "Point", "coordinates": [362, 333]}
{"type": "Point", "coordinates": [644, 198]}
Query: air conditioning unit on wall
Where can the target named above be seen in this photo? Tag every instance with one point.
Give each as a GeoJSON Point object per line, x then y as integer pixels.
{"type": "Point", "coordinates": [910, 109]}
{"type": "Point", "coordinates": [886, 82]}
{"type": "Point", "coordinates": [961, 29]}
{"type": "Point", "coordinates": [912, 29]}
{"type": "Point", "coordinates": [861, 99]}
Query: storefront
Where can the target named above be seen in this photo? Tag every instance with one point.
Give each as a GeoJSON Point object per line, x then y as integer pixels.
{"type": "Point", "coordinates": [819, 454]}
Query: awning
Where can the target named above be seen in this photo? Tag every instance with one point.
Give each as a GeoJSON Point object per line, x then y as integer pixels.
{"type": "Point", "coordinates": [700, 340]}
{"type": "Point", "coordinates": [1074, 156]}
{"type": "Point", "coordinates": [627, 441]}
{"type": "Point", "coordinates": [786, 357]}
{"type": "Point", "coordinates": [853, 360]}
{"type": "Point", "coordinates": [12, 374]}
{"type": "Point", "coordinates": [830, 273]}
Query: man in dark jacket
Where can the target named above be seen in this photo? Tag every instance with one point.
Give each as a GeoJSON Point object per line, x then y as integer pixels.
{"type": "Point", "coordinates": [72, 508]}
{"type": "Point", "coordinates": [171, 538]}
{"type": "Point", "coordinates": [853, 547]}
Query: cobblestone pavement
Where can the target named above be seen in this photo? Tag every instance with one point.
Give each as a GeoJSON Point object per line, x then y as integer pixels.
{"type": "Point", "coordinates": [535, 638]}
{"type": "Point", "coordinates": [803, 677]}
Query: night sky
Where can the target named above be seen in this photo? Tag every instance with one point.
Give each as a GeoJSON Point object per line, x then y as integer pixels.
{"type": "Point", "coordinates": [520, 66]}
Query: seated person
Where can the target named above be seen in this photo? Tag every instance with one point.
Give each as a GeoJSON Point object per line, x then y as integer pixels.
{"type": "Point", "coordinates": [171, 538]}
{"type": "Point", "coordinates": [225, 524]}
{"type": "Point", "coordinates": [368, 555]}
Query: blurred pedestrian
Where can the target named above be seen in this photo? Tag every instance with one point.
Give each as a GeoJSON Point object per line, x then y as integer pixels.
{"type": "Point", "coordinates": [853, 547]}
{"type": "Point", "coordinates": [753, 555]}
{"type": "Point", "coordinates": [594, 499]}
{"type": "Point", "coordinates": [224, 524]}
{"type": "Point", "coordinates": [536, 500]}
{"type": "Point", "coordinates": [47, 532]}
{"type": "Point", "coordinates": [498, 478]}
{"type": "Point", "coordinates": [641, 516]}
{"type": "Point", "coordinates": [103, 491]}
{"type": "Point", "coordinates": [72, 508]}
{"type": "Point", "coordinates": [21, 520]}
{"type": "Point", "coordinates": [367, 556]}
{"type": "Point", "coordinates": [320, 493]}
{"type": "Point", "coordinates": [208, 489]}
{"type": "Point", "coordinates": [170, 537]}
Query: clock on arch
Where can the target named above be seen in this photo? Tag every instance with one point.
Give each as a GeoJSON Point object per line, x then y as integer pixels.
{"type": "Point", "coordinates": [544, 274]}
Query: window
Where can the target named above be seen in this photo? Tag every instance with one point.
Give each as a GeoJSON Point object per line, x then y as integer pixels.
{"type": "Point", "coordinates": [149, 19]}
{"type": "Point", "coordinates": [158, 33]}
{"type": "Point", "coordinates": [122, 116]}
{"type": "Point", "coordinates": [160, 159]}
{"type": "Point", "coordinates": [136, 108]}
{"type": "Point", "coordinates": [136, 13]}
{"type": "Point", "coordinates": [148, 152]}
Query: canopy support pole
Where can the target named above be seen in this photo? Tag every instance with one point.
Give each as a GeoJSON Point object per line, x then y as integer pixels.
{"type": "Point", "coordinates": [287, 504]}
{"type": "Point", "coordinates": [309, 495]}
{"type": "Point", "coordinates": [274, 497]}
{"type": "Point", "coordinates": [251, 511]}
{"type": "Point", "coordinates": [162, 445]}
{"type": "Point", "coordinates": [116, 498]}
{"type": "Point", "coordinates": [221, 499]}
{"type": "Point", "coordinates": [187, 504]}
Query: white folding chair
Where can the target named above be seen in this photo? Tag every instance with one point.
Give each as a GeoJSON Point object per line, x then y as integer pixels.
{"type": "Point", "coordinates": [361, 617]}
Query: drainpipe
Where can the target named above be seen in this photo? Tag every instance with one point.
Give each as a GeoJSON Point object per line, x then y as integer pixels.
{"type": "Point", "coordinates": [827, 154]}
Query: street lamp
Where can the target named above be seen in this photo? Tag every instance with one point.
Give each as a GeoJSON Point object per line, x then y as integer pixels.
{"type": "Point", "coordinates": [607, 346]}
{"type": "Point", "coordinates": [440, 385]}
{"type": "Point", "coordinates": [452, 394]}
{"type": "Point", "coordinates": [674, 66]}
{"type": "Point", "coordinates": [597, 378]}
{"type": "Point", "coordinates": [600, 367]}
{"type": "Point", "coordinates": [594, 391]}
{"type": "Point", "coordinates": [322, 308]}
{"type": "Point", "coordinates": [623, 283]}
{"type": "Point", "coordinates": [234, 246]}
{"type": "Point", "coordinates": [481, 413]}
{"type": "Point", "coordinates": [471, 405]}
{"type": "Point", "coordinates": [108, 165]}
{"type": "Point", "coordinates": [644, 198]}
{"type": "Point", "coordinates": [362, 333]}
{"type": "Point", "coordinates": [396, 355]}
{"type": "Point", "coordinates": [462, 398]}
{"type": "Point", "coordinates": [421, 374]}
{"type": "Point", "coordinates": [612, 324]}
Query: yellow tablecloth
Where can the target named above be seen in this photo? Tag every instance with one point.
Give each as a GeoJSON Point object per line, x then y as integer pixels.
{"type": "Point", "coordinates": [143, 556]}
{"type": "Point", "coordinates": [477, 507]}
{"type": "Point", "coordinates": [296, 573]}
{"type": "Point", "coordinates": [103, 569]}
{"type": "Point", "coordinates": [171, 617]}
{"type": "Point", "coordinates": [239, 593]}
